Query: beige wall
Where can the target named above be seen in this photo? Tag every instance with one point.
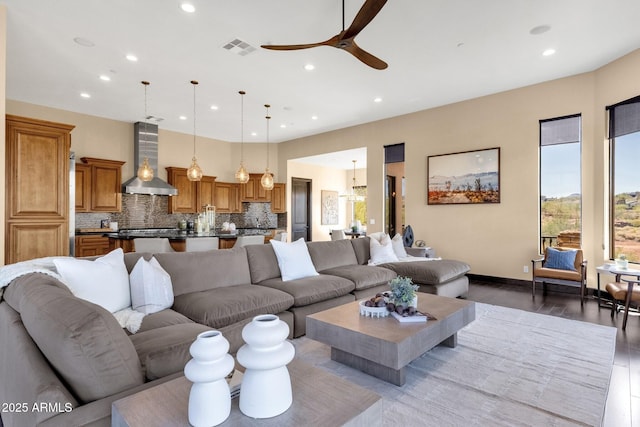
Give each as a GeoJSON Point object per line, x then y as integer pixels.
{"type": "Point", "coordinates": [111, 139]}
{"type": "Point", "coordinates": [496, 239]}
{"type": "Point", "coordinates": [3, 85]}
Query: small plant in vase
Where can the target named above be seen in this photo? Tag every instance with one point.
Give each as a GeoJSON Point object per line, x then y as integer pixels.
{"type": "Point", "coordinates": [622, 261]}
{"type": "Point", "coordinates": [403, 296]}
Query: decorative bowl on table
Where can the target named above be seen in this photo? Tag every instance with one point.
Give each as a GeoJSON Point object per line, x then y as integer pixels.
{"type": "Point", "coordinates": [373, 311]}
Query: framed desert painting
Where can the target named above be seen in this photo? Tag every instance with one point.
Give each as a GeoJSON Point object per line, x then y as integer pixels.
{"type": "Point", "coordinates": [469, 177]}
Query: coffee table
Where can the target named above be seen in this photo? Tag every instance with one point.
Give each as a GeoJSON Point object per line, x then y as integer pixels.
{"type": "Point", "coordinates": [383, 347]}
{"type": "Point", "coordinates": [319, 399]}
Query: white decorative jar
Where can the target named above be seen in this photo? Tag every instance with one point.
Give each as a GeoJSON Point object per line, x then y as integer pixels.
{"type": "Point", "coordinates": [209, 398]}
{"type": "Point", "coordinates": [266, 386]}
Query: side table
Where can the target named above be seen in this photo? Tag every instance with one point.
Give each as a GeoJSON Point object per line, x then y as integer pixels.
{"type": "Point", "coordinates": [612, 269]}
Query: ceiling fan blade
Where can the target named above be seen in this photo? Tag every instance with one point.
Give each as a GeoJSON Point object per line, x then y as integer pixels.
{"type": "Point", "coordinates": [292, 46]}
{"type": "Point", "coordinates": [366, 57]}
{"type": "Point", "coordinates": [367, 12]}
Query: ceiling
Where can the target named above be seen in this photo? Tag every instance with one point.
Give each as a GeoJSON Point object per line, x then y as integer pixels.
{"type": "Point", "coordinates": [438, 51]}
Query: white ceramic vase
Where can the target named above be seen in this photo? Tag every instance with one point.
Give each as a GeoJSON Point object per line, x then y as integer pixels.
{"type": "Point", "coordinates": [210, 398]}
{"type": "Point", "coordinates": [266, 385]}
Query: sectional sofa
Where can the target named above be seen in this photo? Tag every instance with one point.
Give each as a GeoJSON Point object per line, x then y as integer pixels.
{"type": "Point", "coordinates": [64, 360]}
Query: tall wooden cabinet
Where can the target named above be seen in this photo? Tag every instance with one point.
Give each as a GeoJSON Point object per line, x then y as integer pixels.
{"type": "Point", "coordinates": [37, 193]}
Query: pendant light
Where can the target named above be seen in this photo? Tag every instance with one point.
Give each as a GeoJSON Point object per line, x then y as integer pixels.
{"type": "Point", "coordinates": [194, 173]}
{"type": "Point", "coordinates": [145, 172]}
{"type": "Point", "coordinates": [353, 197]}
{"type": "Point", "coordinates": [267, 178]}
{"type": "Point", "coordinates": [242, 176]}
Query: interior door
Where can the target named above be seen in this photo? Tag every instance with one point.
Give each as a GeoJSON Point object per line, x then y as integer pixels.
{"type": "Point", "coordinates": [390, 204]}
{"type": "Point", "coordinates": [301, 209]}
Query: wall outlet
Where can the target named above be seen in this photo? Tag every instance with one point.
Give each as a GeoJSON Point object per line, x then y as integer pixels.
{"type": "Point", "coordinates": [372, 221]}
{"type": "Point", "coordinates": [525, 269]}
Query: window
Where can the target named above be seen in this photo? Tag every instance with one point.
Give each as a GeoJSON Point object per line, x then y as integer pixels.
{"type": "Point", "coordinates": [560, 190]}
{"type": "Point", "coordinates": [624, 147]}
{"type": "Point", "coordinates": [360, 206]}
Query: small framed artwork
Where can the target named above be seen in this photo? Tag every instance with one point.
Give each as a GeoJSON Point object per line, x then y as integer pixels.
{"type": "Point", "coordinates": [329, 207]}
{"type": "Point", "coordinates": [468, 177]}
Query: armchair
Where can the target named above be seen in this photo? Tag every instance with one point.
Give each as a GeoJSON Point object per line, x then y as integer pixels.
{"type": "Point", "coordinates": [552, 269]}
{"type": "Point", "coordinates": [626, 290]}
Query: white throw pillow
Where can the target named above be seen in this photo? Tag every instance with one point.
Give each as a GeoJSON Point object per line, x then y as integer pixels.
{"type": "Point", "coordinates": [293, 259]}
{"type": "Point", "coordinates": [382, 251]}
{"type": "Point", "coordinates": [398, 246]}
{"type": "Point", "coordinates": [151, 288]}
{"type": "Point", "coordinates": [104, 281]}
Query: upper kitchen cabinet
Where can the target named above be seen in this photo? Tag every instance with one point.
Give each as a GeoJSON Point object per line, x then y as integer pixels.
{"type": "Point", "coordinates": [192, 195]}
{"type": "Point", "coordinates": [105, 181]}
{"type": "Point", "coordinates": [227, 197]}
{"type": "Point", "coordinates": [253, 191]}
{"type": "Point", "coordinates": [37, 188]}
{"type": "Point", "coordinates": [83, 187]}
{"type": "Point", "coordinates": [279, 198]}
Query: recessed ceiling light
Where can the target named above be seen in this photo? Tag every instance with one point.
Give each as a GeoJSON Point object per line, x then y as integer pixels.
{"type": "Point", "coordinates": [309, 67]}
{"type": "Point", "coordinates": [84, 42]}
{"type": "Point", "coordinates": [254, 133]}
{"type": "Point", "coordinates": [188, 7]}
{"type": "Point", "coordinates": [183, 117]}
{"type": "Point", "coordinates": [132, 58]}
{"type": "Point", "coordinates": [85, 95]}
{"type": "Point", "coordinates": [314, 117]}
{"type": "Point", "coordinates": [540, 29]}
{"type": "Point", "coordinates": [548, 52]}
{"type": "Point", "coordinates": [105, 78]}
{"type": "Point", "coordinates": [283, 126]}
{"type": "Point", "coordinates": [377, 99]}
{"type": "Point", "coordinates": [214, 107]}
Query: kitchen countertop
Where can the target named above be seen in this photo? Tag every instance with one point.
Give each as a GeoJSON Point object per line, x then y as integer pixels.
{"type": "Point", "coordinates": [176, 234]}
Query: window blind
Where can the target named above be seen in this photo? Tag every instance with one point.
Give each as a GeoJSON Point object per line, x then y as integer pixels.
{"type": "Point", "coordinates": [563, 130]}
{"type": "Point", "coordinates": [624, 117]}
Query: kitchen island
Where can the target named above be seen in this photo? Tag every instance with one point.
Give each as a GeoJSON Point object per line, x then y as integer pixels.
{"type": "Point", "coordinates": [124, 238]}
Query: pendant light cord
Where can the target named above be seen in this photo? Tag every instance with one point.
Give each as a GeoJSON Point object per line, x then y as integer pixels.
{"type": "Point", "coordinates": [241, 125]}
{"type": "Point", "coordinates": [268, 117]}
{"type": "Point", "coordinates": [194, 83]}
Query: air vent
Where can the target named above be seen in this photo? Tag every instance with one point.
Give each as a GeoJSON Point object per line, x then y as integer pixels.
{"type": "Point", "coordinates": [239, 47]}
{"type": "Point", "coordinates": [154, 119]}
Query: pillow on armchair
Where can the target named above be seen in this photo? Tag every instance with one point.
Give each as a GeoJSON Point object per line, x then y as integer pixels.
{"type": "Point", "coordinates": [560, 259]}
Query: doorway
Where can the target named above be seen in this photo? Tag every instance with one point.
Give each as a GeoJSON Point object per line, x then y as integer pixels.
{"type": "Point", "coordinates": [394, 198]}
{"type": "Point", "coordinates": [301, 209]}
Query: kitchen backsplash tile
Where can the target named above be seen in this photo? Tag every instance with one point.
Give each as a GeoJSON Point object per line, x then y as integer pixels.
{"type": "Point", "coordinates": [146, 211]}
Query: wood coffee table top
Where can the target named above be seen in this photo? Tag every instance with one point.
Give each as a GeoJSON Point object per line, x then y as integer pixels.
{"type": "Point", "coordinates": [319, 399]}
{"type": "Point", "coordinates": [385, 343]}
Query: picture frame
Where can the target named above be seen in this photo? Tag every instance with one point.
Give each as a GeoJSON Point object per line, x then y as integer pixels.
{"type": "Point", "coordinates": [329, 207]}
{"type": "Point", "coordinates": [467, 177]}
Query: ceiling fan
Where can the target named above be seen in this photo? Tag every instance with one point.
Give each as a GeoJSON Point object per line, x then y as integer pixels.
{"type": "Point", "coordinates": [345, 39]}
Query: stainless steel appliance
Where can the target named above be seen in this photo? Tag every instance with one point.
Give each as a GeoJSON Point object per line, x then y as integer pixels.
{"type": "Point", "coordinates": [72, 203]}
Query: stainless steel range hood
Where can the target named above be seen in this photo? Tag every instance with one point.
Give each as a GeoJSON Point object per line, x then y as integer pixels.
{"type": "Point", "coordinates": [145, 144]}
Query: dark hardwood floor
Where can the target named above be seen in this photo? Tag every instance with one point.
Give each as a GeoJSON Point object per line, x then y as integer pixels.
{"type": "Point", "coordinates": [623, 402]}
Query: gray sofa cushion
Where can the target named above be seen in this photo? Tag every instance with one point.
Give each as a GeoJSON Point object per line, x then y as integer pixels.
{"type": "Point", "coordinates": [165, 351]}
{"type": "Point", "coordinates": [361, 249]}
{"type": "Point", "coordinates": [263, 263]}
{"type": "Point", "coordinates": [330, 254]}
{"type": "Point", "coordinates": [161, 319]}
{"type": "Point", "coordinates": [82, 341]}
{"type": "Point", "coordinates": [363, 276]}
{"type": "Point", "coordinates": [200, 271]}
{"type": "Point", "coordinates": [430, 272]}
{"type": "Point", "coordinates": [312, 289]}
{"type": "Point", "coordinates": [221, 307]}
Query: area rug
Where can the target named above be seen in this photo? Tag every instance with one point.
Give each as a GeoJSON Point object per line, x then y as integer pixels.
{"type": "Point", "coordinates": [510, 368]}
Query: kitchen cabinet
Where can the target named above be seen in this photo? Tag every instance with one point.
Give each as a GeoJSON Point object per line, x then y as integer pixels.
{"type": "Point", "coordinates": [253, 191]}
{"type": "Point", "coordinates": [279, 198]}
{"type": "Point", "coordinates": [91, 245]}
{"type": "Point", "coordinates": [226, 243]}
{"type": "Point", "coordinates": [99, 185]}
{"type": "Point", "coordinates": [192, 195]}
{"type": "Point", "coordinates": [83, 187]}
{"type": "Point", "coordinates": [37, 188]}
{"type": "Point", "coordinates": [227, 197]}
